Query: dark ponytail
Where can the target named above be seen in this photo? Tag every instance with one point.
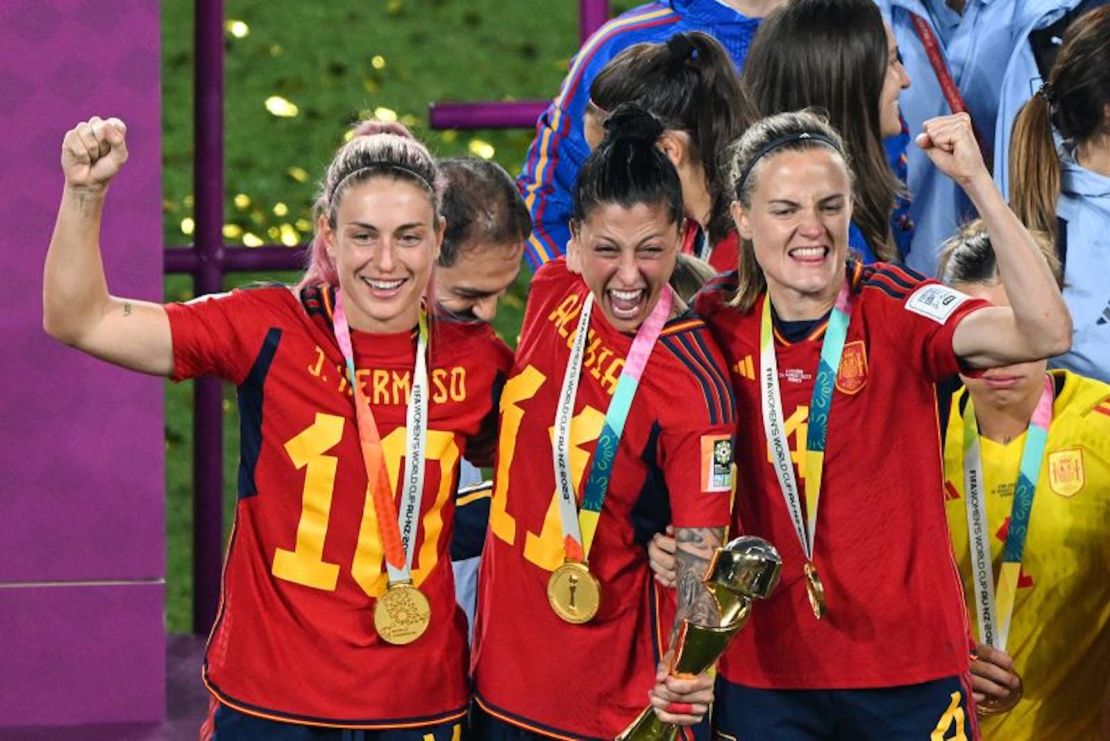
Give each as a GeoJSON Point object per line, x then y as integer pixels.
{"type": "Point", "coordinates": [689, 84]}
{"type": "Point", "coordinates": [627, 168]}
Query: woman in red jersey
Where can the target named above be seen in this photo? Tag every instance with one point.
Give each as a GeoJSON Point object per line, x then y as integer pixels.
{"type": "Point", "coordinates": [337, 607]}
{"type": "Point", "coordinates": [616, 418]}
{"type": "Point", "coordinates": [868, 636]}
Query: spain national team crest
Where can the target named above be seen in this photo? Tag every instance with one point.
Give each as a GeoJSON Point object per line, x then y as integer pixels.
{"type": "Point", "coordinates": [1065, 472]}
{"type": "Point", "coordinates": [852, 375]}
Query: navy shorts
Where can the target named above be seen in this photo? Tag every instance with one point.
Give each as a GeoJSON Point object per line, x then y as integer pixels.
{"type": "Point", "coordinates": [487, 727]}
{"type": "Point", "coordinates": [931, 711]}
{"type": "Point", "coordinates": [231, 725]}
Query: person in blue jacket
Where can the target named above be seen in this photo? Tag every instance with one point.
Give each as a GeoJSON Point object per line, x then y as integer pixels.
{"type": "Point", "coordinates": [974, 42]}
{"type": "Point", "coordinates": [1066, 191]}
{"type": "Point", "coordinates": [1039, 29]}
{"type": "Point", "coordinates": [559, 149]}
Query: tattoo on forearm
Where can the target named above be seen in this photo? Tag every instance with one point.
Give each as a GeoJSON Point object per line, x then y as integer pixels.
{"type": "Point", "coordinates": [127, 308]}
{"type": "Point", "coordinates": [694, 549]}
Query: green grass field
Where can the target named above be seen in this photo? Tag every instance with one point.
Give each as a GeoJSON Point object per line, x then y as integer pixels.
{"type": "Point", "coordinates": [297, 74]}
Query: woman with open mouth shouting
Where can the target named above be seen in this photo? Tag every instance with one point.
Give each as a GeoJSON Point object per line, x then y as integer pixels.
{"type": "Point", "coordinates": [616, 419]}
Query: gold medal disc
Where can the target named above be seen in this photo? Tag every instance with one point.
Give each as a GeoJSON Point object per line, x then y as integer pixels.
{"type": "Point", "coordinates": [815, 591]}
{"type": "Point", "coordinates": [402, 614]}
{"type": "Point", "coordinates": [1005, 704]}
{"type": "Point", "coordinates": [574, 593]}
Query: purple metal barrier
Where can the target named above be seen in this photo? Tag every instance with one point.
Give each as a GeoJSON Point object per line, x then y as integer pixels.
{"type": "Point", "coordinates": [208, 182]}
{"type": "Point", "coordinates": [592, 14]}
{"type": "Point", "coordinates": [521, 114]}
{"type": "Point", "coordinates": [210, 259]}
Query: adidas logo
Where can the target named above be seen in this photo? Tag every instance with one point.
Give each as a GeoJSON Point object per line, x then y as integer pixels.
{"type": "Point", "coordinates": [745, 368]}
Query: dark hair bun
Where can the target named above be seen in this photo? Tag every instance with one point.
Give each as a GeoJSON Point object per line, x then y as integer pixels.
{"type": "Point", "coordinates": [632, 124]}
{"type": "Point", "coordinates": [682, 48]}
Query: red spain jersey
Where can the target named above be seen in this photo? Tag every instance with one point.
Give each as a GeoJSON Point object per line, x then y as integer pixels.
{"type": "Point", "coordinates": [294, 638]}
{"type": "Point", "coordinates": [532, 668]}
{"type": "Point", "coordinates": [895, 606]}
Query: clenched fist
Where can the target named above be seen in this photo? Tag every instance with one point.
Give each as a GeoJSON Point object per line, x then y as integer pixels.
{"type": "Point", "coordinates": [950, 143]}
{"type": "Point", "coordinates": [93, 152]}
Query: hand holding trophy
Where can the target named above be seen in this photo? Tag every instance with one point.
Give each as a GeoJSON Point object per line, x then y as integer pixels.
{"type": "Point", "coordinates": [744, 569]}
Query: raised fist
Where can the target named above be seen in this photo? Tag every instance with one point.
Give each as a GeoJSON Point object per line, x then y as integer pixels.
{"type": "Point", "coordinates": [950, 143]}
{"type": "Point", "coordinates": [93, 152]}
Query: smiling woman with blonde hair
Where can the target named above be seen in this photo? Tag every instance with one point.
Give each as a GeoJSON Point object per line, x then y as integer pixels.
{"type": "Point", "coordinates": [337, 609]}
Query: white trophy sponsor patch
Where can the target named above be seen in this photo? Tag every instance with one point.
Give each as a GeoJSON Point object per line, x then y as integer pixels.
{"type": "Point", "coordinates": [935, 302]}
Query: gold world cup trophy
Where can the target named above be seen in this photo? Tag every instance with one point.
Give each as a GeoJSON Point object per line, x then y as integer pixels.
{"type": "Point", "coordinates": [744, 569]}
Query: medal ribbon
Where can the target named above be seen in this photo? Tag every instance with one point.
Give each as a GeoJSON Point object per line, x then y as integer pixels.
{"type": "Point", "coordinates": [944, 78]}
{"type": "Point", "coordinates": [821, 402]}
{"type": "Point", "coordinates": [396, 528]}
{"type": "Point", "coordinates": [994, 609]}
{"type": "Point", "coordinates": [579, 527]}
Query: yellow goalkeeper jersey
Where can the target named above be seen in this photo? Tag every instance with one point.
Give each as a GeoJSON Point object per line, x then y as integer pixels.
{"type": "Point", "coordinates": [1060, 633]}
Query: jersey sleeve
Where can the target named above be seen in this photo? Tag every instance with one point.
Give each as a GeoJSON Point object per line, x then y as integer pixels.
{"type": "Point", "coordinates": [548, 178]}
{"type": "Point", "coordinates": [919, 317]}
{"type": "Point", "coordinates": [217, 335]}
{"type": "Point", "coordinates": [697, 438]}
{"type": "Point", "coordinates": [497, 355]}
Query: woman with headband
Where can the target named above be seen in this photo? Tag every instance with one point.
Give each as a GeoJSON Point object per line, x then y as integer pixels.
{"type": "Point", "coordinates": [616, 419]}
{"type": "Point", "coordinates": [1066, 192]}
{"type": "Point", "coordinates": [867, 636]}
{"type": "Point", "coordinates": [690, 84]}
{"type": "Point", "coordinates": [337, 607]}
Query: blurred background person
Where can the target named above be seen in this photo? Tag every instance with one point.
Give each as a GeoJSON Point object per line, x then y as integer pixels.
{"type": "Point", "coordinates": [483, 241]}
{"type": "Point", "coordinates": [556, 155]}
{"type": "Point", "coordinates": [839, 56]}
{"type": "Point", "coordinates": [957, 52]}
{"type": "Point", "coordinates": [689, 275]}
{"type": "Point", "coordinates": [1042, 24]}
{"type": "Point", "coordinates": [690, 84]}
{"type": "Point", "coordinates": [483, 244]}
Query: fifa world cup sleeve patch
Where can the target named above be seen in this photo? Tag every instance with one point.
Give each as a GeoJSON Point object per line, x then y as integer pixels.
{"type": "Point", "coordinates": [716, 463]}
{"type": "Point", "coordinates": [935, 302]}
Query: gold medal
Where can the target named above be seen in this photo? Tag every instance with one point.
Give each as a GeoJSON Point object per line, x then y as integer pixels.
{"type": "Point", "coordinates": [815, 591]}
{"type": "Point", "coordinates": [991, 706]}
{"type": "Point", "coordinates": [574, 593]}
{"type": "Point", "coordinates": [402, 614]}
